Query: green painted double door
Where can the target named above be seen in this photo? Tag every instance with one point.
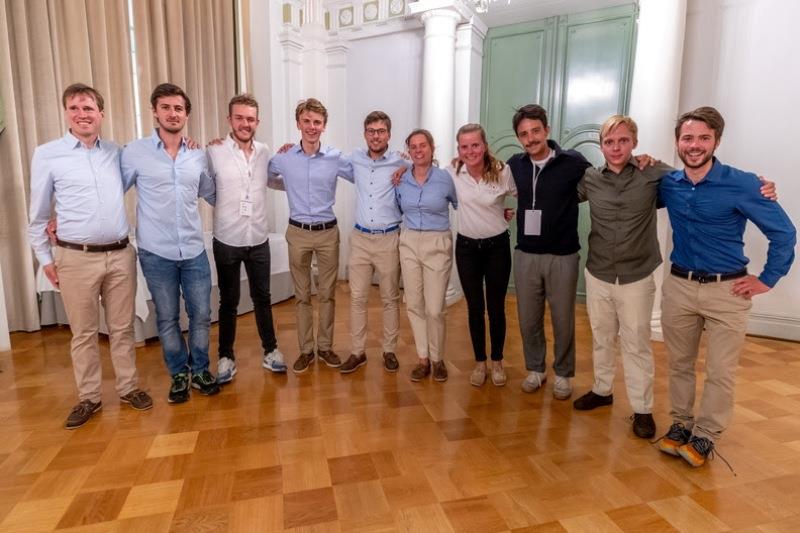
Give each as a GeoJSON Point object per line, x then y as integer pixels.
{"type": "Point", "coordinates": [578, 67]}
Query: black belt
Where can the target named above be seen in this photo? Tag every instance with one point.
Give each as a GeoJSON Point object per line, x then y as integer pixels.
{"type": "Point", "coordinates": [313, 227]}
{"type": "Point", "coordinates": [110, 247]}
{"type": "Point", "coordinates": [362, 229]}
{"type": "Point", "coordinates": [487, 242]}
{"type": "Point", "coordinates": [705, 277]}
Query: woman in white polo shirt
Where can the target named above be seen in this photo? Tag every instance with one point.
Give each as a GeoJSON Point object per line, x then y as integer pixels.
{"type": "Point", "coordinates": [483, 251]}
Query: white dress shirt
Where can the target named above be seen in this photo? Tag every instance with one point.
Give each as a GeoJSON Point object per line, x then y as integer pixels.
{"type": "Point", "coordinates": [481, 204]}
{"type": "Point", "coordinates": [240, 181]}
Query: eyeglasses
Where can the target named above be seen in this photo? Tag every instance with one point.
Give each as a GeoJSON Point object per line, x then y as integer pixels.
{"type": "Point", "coordinates": [373, 131]}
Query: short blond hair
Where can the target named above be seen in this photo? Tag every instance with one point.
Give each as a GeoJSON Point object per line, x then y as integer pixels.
{"type": "Point", "coordinates": [617, 120]}
{"type": "Point", "coordinates": [312, 104]}
{"type": "Point", "coordinates": [245, 99]}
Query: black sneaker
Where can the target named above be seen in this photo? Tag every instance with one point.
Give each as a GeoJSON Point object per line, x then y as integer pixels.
{"type": "Point", "coordinates": [590, 401]}
{"type": "Point", "coordinates": [179, 391]}
{"type": "Point", "coordinates": [205, 383]}
{"type": "Point", "coordinates": [644, 426]}
{"type": "Point", "coordinates": [81, 413]}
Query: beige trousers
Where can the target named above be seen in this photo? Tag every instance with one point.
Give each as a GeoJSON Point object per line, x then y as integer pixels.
{"type": "Point", "coordinates": [374, 253]}
{"type": "Point", "coordinates": [302, 245]}
{"type": "Point", "coordinates": [622, 311]}
{"type": "Point", "coordinates": [426, 258]}
{"type": "Point", "coordinates": [687, 307]}
{"type": "Point", "coordinates": [84, 278]}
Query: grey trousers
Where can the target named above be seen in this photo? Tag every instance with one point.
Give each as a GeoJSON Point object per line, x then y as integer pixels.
{"type": "Point", "coordinates": [554, 279]}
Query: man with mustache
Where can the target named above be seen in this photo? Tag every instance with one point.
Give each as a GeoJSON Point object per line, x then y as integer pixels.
{"type": "Point", "coordinates": [169, 178]}
{"type": "Point", "coordinates": [709, 204]}
{"type": "Point", "coordinates": [241, 233]}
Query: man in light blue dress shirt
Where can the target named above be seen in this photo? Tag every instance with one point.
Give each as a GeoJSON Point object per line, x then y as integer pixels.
{"type": "Point", "coordinates": [169, 178]}
{"type": "Point", "coordinates": [309, 173]}
{"type": "Point", "coordinates": [79, 173]}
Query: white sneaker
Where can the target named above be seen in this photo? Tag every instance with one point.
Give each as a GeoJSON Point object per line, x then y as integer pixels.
{"type": "Point", "coordinates": [273, 361]}
{"type": "Point", "coordinates": [562, 389]}
{"type": "Point", "coordinates": [498, 376]}
{"type": "Point", "coordinates": [478, 376]}
{"type": "Point", "coordinates": [226, 369]}
{"type": "Point", "coordinates": [534, 381]}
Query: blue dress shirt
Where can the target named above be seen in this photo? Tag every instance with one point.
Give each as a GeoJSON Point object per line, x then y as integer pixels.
{"type": "Point", "coordinates": [376, 205]}
{"type": "Point", "coordinates": [425, 207]}
{"type": "Point", "coordinates": [167, 219]}
{"type": "Point", "coordinates": [310, 181]}
{"type": "Point", "coordinates": [708, 221]}
{"type": "Point", "coordinates": [87, 188]}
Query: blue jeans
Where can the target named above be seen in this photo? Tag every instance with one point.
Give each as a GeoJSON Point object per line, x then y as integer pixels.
{"type": "Point", "coordinates": [166, 280]}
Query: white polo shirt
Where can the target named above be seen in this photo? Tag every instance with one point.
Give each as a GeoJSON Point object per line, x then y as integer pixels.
{"type": "Point", "coordinates": [481, 204]}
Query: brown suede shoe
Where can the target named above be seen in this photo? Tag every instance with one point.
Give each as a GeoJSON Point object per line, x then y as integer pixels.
{"type": "Point", "coordinates": [390, 363]}
{"type": "Point", "coordinates": [329, 358]}
{"type": "Point", "coordinates": [439, 371]}
{"type": "Point", "coordinates": [303, 362]}
{"type": "Point", "coordinates": [81, 413]}
{"type": "Point", "coordinates": [352, 363]}
{"type": "Point", "coordinates": [138, 399]}
{"type": "Point", "coordinates": [421, 371]}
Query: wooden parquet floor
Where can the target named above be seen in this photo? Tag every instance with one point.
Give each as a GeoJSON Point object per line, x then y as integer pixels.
{"type": "Point", "coordinates": [372, 451]}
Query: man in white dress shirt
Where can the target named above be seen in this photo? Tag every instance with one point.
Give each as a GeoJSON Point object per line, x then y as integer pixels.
{"type": "Point", "coordinates": [241, 233]}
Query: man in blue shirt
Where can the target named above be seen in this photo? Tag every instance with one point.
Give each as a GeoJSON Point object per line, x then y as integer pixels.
{"type": "Point", "coordinates": [80, 174]}
{"type": "Point", "coordinates": [309, 173]}
{"type": "Point", "coordinates": [169, 178]}
{"type": "Point", "coordinates": [709, 204]}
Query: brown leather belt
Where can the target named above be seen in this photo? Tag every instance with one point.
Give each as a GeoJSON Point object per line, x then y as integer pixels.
{"type": "Point", "coordinates": [110, 247]}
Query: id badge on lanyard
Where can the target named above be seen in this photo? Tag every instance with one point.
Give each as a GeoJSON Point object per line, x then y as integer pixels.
{"type": "Point", "coordinates": [533, 217]}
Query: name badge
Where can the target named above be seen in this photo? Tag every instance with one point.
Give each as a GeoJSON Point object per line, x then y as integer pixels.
{"type": "Point", "coordinates": [533, 222]}
{"type": "Point", "coordinates": [245, 208]}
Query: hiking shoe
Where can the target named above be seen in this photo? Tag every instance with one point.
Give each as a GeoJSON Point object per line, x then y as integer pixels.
{"type": "Point", "coordinates": [226, 369]}
{"type": "Point", "coordinates": [562, 389]}
{"type": "Point", "coordinates": [696, 450]}
{"type": "Point", "coordinates": [534, 381]}
{"type": "Point", "coordinates": [439, 371]}
{"type": "Point", "coordinates": [478, 376]}
{"type": "Point", "coordinates": [179, 390]}
{"type": "Point", "coordinates": [138, 399]}
{"type": "Point", "coordinates": [390, 363]}
{"type": "Point", "coordinates": [274, 362]}
{"type": "Point", "coordinates": [498, 376]}
{"type": "Point", "coordinates": [81, 413]}
{"type": "Point", "coordinates": [644, 426]}
{"type": "Point", "coordinates": [676, 437]}
{"type": "Point", "coordinates": [302, 363]}
{"type": "Point", "coordinates": [205, 383]}
{"type": "Point", "coordinates": [591, 400]}
{"type": "Point", "coordinates": [421, 371]}
{"type": "Point", "coordinates": [329, 358]}
{"type": "Point", "coordinates": [352, 363]}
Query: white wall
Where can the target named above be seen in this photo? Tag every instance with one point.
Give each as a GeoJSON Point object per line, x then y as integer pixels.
{"type": "Point", "coordinates": [740, 56]}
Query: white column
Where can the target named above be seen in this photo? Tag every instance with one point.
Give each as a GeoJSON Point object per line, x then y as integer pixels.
{"type": "Point", "coordinates": [468, 72]}
{"type": "Point", "coordinates": [654, 103]}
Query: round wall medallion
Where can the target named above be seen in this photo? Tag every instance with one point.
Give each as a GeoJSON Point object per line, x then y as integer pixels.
{"type": "Point", "coordinates": [370, 11]}
{"type": "Point", "coordinates": [396, 7]}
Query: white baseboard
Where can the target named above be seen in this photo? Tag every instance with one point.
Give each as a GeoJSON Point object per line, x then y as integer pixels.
{"type": "Point", "coordinates": [780, 327]}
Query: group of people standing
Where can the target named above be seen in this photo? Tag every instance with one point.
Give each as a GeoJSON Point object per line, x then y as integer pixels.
{"type": "Point", "coordinates": [402, 228]}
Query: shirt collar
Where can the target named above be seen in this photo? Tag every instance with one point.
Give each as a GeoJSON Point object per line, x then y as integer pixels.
{"type": "Point", "coordinates": [159, 143]}
{"type": "Point", "coordinates": [298, 149]}
{"type": "Point", "coordinates": [713, 175]}
{"type": "Point", "coordinates": [630, 163]}
{"type": "Point", "coordinates": [74, 142]}
{"type": "Point", "coordinates": [231, 142]}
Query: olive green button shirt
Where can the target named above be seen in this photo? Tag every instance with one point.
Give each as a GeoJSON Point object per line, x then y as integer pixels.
{"type": "Point", "coordinates": [623, 245]}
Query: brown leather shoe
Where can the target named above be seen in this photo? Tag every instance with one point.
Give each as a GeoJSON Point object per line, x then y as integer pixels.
{"type": "Point", "coordinates": [421, 371]}
{"type": "Point", "coordinates": [81, 413]}
{"type": "Point", "coordinates": [390, 363]}
{"type": "Point", "coordinates": [303, 362]}
{"type": "Point", "coordinates": [352, 363]}
{"type": "Point", "coordinates": [439, 371]}
{"type": "Point", "coordinates": [329, 358]}
{"type": "Point", "coordinates": [138, 399]}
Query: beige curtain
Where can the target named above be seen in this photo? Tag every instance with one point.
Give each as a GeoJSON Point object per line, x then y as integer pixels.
{"type": "Point", "coordinates": [189, 43]}
{"type": "Point", "coordinates": [44, 46]}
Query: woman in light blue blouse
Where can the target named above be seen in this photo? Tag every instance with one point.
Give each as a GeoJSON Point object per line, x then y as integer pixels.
{"type": "Point", "coordinates": [424, 194]}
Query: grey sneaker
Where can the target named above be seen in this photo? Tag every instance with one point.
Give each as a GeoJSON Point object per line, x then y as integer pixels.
{"type": "Point", "coordinates": [274, 362]}
{"type": "Point", "coordinates": [353, 363]}
{"type": "Point", "coordinates": [390, 363]}
{"type": "Point", "coordinates": [534, 381]}
{"type": "Point", "coordinates": [81, 413]}
{"type": "Point", "coordinates": [562, 389]}
{"type": "Point", "coordinates": [138, 399]}
{"type": "Point", "coordinates": [329, 358]}
{"type": "Point", "coordinates": [226, 369]}
{"type": "Point", "coordinates": [499, 375]}
{"type": "Point", "coordinates": [478, 376]}
{"type": "Point", "coordinates": [303, 362]}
